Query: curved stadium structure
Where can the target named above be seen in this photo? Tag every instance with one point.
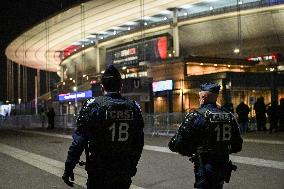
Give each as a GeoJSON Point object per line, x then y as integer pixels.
{"type": "Point", "coordinates": [163, 48]}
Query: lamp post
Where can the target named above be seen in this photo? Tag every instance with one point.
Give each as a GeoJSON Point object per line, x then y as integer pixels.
{"type": "Point", "coordinates": [76, 103]}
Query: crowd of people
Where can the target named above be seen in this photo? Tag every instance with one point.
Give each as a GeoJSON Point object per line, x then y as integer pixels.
{"type": "Point", "coordinates": [272, 111]}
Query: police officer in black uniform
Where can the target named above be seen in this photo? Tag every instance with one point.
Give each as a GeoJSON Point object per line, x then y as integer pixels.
{"type": "Point", "coordinates": [110, 130]}
{"type": "Point", "coordinates": [208, 135]}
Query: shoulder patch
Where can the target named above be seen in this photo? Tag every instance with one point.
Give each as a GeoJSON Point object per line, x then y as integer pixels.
{"type": "Point", "coordinates": [137, 105]}
{"type": "Point", "coordinates": [90, 101]}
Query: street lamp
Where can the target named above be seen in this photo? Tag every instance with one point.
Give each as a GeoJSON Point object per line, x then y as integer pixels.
{"type": "Point", "coordinates": [236, 50]}
{"type": "Point", "coordinates": [76, 103]}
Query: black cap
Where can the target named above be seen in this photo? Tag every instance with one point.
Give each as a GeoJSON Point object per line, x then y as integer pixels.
{"type": "Point", "coordinates": [211, 87]}
{"type": "Point", "coordinates": [111, 79]}
{"type": "Point", "coordinates": [111, 73]}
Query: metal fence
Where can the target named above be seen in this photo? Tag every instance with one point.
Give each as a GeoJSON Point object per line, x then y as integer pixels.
{"type": "Point", "coordinates": [155, 124]}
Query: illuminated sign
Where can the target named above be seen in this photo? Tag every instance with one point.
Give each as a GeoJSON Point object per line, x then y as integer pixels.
{"type": "Point", "coordinates": [78, 95]}
{"type": "Point", "coordinates": [162, 85]}
{"type": "Point", "coordinates": [130, 54]}
{"type": "Point", "coordinates": [267, 58]}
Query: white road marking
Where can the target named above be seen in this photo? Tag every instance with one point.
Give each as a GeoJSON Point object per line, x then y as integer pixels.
{"type": "Point", "coordinates": [237, 159]}
{"type": "Point", "coordinates": [46, 134]}
{"type": "Point", "coordinates": [263, 141]}
{"type": "Point", "coordinates": [46, 164]}
{"type": "Point", "coordinates": [70, 137]}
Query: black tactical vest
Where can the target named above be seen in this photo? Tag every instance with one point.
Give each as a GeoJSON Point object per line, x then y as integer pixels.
{"type": "Point", "coordinates": [216, 131]}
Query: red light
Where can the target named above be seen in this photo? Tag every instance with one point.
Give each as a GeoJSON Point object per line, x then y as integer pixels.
{"type": "Point", "coordinates": [70, 49]}
{"type": "Point", "coordinates": [162, 47]}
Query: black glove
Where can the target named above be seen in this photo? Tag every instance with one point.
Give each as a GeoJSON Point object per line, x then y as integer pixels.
{"type": "Point", "coordinates": [68, 174]}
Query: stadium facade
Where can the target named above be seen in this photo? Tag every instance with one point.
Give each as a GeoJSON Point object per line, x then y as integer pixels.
{"type": "Point", "coordinates": [164, 50]}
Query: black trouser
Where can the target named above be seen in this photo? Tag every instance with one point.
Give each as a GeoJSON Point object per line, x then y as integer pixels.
{"type": "Point", "coordinates": [260, 123]}
{"type": "Point", "coordinates": [209, 176]}
{"type": "Point", "coordinates": [273, 125]}
{"type": "Point", "coordinates": [111, 181]}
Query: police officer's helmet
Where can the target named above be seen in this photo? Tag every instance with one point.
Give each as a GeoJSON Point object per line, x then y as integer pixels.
{"type": "Point", "coordinates": [111, 79]}
{"type": "Point", "coordinates": [211, 87]}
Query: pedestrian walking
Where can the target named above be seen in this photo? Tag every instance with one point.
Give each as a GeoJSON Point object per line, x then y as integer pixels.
{"type": "Point", "coordinates": [272, 112]}
{"type": "Point", "coordinates": [260, 110]}
{"type": "Point", "coordinates": [42, 115]}
{"type": "Point", "coordinates": [208, 135]}
{"type": "Point", "coordinates": [281, 115]}
{"type": "Point", "coordinates": [110, 130]}
{"type": "Point", "coordinates": [243, 112]}
{"type": "Point", "coordinates": [50, 117]}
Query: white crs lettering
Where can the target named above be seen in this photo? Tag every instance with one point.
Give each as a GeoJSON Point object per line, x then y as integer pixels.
{"type": "Point", "coordinates": [216, 117]}
{"type": "Point", "coordinates": [223, 132]}
{"type": "Point", "coordinates": [120, 114]}
{"type": "Point", "coordinates": [121, 134]}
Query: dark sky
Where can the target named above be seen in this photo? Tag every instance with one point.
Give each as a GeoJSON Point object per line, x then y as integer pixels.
{"type": "Point", "coordinates": [16, 16]}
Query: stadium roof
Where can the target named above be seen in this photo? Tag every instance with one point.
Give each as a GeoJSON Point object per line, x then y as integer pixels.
{"type": "Point", "coordinates": [44, 45]}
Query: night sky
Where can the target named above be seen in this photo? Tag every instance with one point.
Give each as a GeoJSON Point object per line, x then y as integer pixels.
{"type": "Point", "coordinates": [19, 15]}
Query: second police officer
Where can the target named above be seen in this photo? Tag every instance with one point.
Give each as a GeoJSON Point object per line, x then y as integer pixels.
{"type": "Point", "coordinates": [110, 130]}
{"type": "Point", "coordinates": [208, 135]}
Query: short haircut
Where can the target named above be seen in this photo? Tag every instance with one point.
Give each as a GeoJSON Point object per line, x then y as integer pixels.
{"type": "Point", "coordinates": [111, 84]}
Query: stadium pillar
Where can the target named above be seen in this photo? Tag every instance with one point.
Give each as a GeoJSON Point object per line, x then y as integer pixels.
{"type": "Point", "coordinates": [98, 68]}
{"type": "Point", "coordinates": [38, 81]}
{"type": "Point", "coordinates": [175, 33]}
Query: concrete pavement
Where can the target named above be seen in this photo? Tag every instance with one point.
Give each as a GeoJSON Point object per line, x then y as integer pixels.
{"type": "Point", "coordinates": [260, 164]}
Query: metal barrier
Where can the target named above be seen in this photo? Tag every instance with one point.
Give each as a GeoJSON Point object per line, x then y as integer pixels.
{"type": "Point", "coordinates": [37, 121]}
{"type": "Point", "coordinates": [155, 124]}
{"type": "Point", "coordinates": [163, 123]}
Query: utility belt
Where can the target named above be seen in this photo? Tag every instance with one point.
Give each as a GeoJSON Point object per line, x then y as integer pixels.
{"type": "Point", "coordinates": [201, 158]}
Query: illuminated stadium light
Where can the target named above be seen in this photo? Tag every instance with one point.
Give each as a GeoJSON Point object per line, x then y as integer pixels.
{"type": "Point", "coordinates": [236, 50]}
{"type": "Point", "coordinates": [147, 18]}
{"type": "Point", "coordinates": [71, 79]}
{"type": "Point", "coordinates": [166, 12]}
{"type": "Point", "coordinates": [185, 6]}
{"type": "Point", "coordinates": [229, 66]}
{"type": "Point", "coordinates": [131, 23]}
